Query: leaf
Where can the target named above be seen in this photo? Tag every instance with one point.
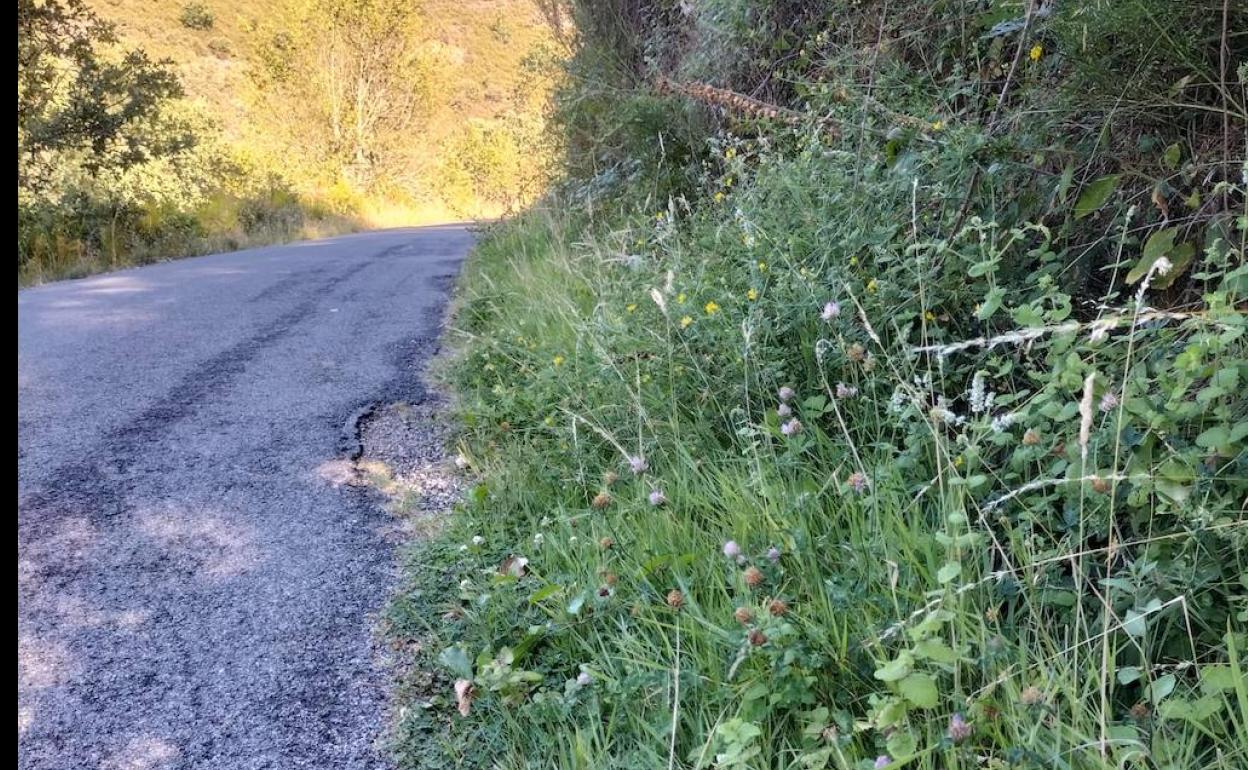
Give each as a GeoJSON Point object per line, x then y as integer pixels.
{"type": "Point", "coordinates": [1128, 674]}
{"type": "Point", "coordinates": [934, 649]}
{"type": "Point", "coordinates": [456, 661]}
{"type": "Point", "coordinates": [1213, 438]}
{"type": "Point", "coordinates": [1095, 195]}
{"type": "Point", "coordinates": [1159, 244]}
{"type": "Point", "coordinates": [1172, 156]}
{"type": "Point", "coordinates": [901, 744]}
{"type": "Point", "coordinates": [991, 304]}
{"type": "Point", "coordinates": [1136, 624]}
{"type": "Point", "coordinates": [920, 689]}
{"type": "Point", "coordinates": [1160, 688]}
{"type": "Point", "coordinates": [949, 572]}
{"type": "Point", "coordinates": [1214, 679]}
{"type": "Point", "coordinates": [895, 669]}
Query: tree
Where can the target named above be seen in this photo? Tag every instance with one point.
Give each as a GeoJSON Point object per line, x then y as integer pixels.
{"type": "Point", "coordinates": [73, 97]}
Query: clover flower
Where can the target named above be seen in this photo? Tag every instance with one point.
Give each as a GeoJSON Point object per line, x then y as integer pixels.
{"type": "Point", "coordinates": [792, 427]}
{"type": "Point", "coordinates": [583, 679]}
{"type": "Point", "coordinates": [830, 310]}
{"type": "Point", "coordinates": [786, 393]}
{"type": "Point", "coordinates": [773, 555]}
{"type": "Point", "coordinates": [844, 391]}
{"type": "Point", "coordinates": [959, 728]}
{"type": "Point", "coordinates": [732, 550]}
{"type": "Point", "coordinates": [882, 761]}
{"type": "Point", "coordinates": [478, 540]}
{"type": "Point", "coordinates": [858, 481]}
{"type": "Point", "coordinates": [1109, 402]}
{"type": "Point", "coordinates": [784, 410]}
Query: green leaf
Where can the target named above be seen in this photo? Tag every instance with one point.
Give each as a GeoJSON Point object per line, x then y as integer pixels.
{"type": "Point", "coordinates": [949, 572]}
{"type": "Point", "coordinates": [934, 649]}
{"type": "Point", "coordinates": [920, 689]}
{"type": "Point", "coordinates": [895, 669]}
{"type": "Point", "coordinates": [1172, 155]}
{"type": "Point", "coordinates": [1160, 688]}
{"type": "Point", "coordinates": [455, 660]}
{"type": "Point", "coordinates": [1135, 624]}
{"type": "Point", "coordinates": [991, 304]}
{"type": "Point", "coordinates": [1217, 436]}
{"type": "Point", "coordinates": [901, 745]}
{"type": "Point", "coordinates": [1095, 195]}
{"type": "Point", "coordinates": [1158, 245]}
{"type": "Point", "coordinates": [1215, 679]}
{"type": "Point", "coordinates": [1128, 674]}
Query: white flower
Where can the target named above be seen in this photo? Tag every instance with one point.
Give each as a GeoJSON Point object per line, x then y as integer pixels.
{"type": "Point", "coordinates": [478, 540]}
{"type": "Point", "coordinates": [830, 311]}
{"type": "Point", "coordinates": [1163, 266]}
{"type": "Point", "coordinates": [538, 539]}
{"type": "Point", "coordinates": [979, 396]}
{"type": "Point", "coordinates": [583, 679]}
{"type": "Point", "coordinates": [1002, 422]}
{"type": "Point", "coordinates": [461, 462]}
{"type": "Point", "coordinates": [1108, 402]}
{"type": "Point", "coordinates": [731, 549]}
{"type": "Point", "coordinates": [465, 584]}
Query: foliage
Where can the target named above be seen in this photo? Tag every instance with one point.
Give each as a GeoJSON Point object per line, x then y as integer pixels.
{"type": "Point", "coordinates": [907, 434]}
{"type": "Point", "coordinates": [197, 16]}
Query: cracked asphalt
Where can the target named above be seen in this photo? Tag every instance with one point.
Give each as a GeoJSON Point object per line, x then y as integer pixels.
{"type": "Point", "coordinates": [194, 590]}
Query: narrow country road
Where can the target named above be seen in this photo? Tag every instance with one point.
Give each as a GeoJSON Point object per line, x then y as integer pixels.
{"type": "Point", "coordinates": [194, 590]}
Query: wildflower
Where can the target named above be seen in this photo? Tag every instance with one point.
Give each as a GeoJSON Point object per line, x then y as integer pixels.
{"type": "Point", "coordinates": [979, 396]}
{"type": "Point", "coordinates": [757, 637]}
{"type": "Point", "coordinates": [762, 266]}
{"type": "Point", "coordinates": [631, 307]}
{"type": "Point", "coordinates": [675, 599]}
{"type": "Point", "coordinates": [777, 608]}
{"type": "Point", "coordinates": [929, 316]}
{"type": "Point", "coordinates": [557, 360]}
{"type": "Point", "coordinates": [938, 125]}
{"type": "Point", "coordinates": [1109, 402]}
{"type": "Point", "coordinates": [872, 286]}
{"type": "Point", "coordinates": [744, 615]}
{"type": "Point", "coordinates": [844, 391]}
{"type": "Point", "coordinates": [680, 298]}
{"type": "Point", "coordinates": [830, 311]}
{"type": "Point", "coordinates": [1031, 437]}
{"type": "Point", "coordinates": [792, 427]}
{"type": "Point", "coordinates": [657, 497]}
{"type": "Point", "coordinates": [719, 196]}
{"type": "Point", "coordinates": [601, 500]}
{"type": "Point", "coordinates": [573, 540]}
{"type": "Point", "coordinates": [465, 584]}
{"type": "Point", "coordinates": [685, 322]}
{"type": "Point", "coordinates": [784, 410]}
{"type": "Point", "coordinates": [478, 540]}
{"type": "Point", "coordinates": [959, 728]}
{"type": "Point", "coordinates": [538, 539]}
{"type": "Point", "coordinates": [856, 353]}
{"type": "Point", "coordinates": [1163, 266]}
{"type": "Point", "coordinates": [858, 481]}
{"type": "Point", "coordinates": [583, 679]}
{"type": "Point", "coordinates": [1002, 422]}
{"type": "Point", "coordinates": [752, 294]}
{"type": "Point", "coordinates": [773, 555]}
{"type": "Point", "coordinates": [753, 577]}
{"type": "Point", "coordinates": [461, 462]}
{"type": "Point", "coordinates": [606, 543]}
{"type": "Point", "coordinates": [732, 550]}
{"type": "Point", "coordinates": [637, 464]}
{"type": "Point", "coordinates": [1031, 696]}
{"type": "Point", "coordinates": [711, 307]}
{"type": "Point", "coordinates": [1036, 52]}
{"type": "Point", "coordinates": [610, 477]}
{"type": "Point", "coordinates": [882, 761]}
{"type": "Point", "coordinates": [786, 393]}
{"type": "Point", "coordinates": [730, 153]}
{"type": "Point", "coordinates": [610, 578]}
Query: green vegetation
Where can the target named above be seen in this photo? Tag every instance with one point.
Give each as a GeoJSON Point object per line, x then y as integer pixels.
{"type": "Point", "coordinates": [888, 416]}
{"type": "Point", "coordinates": [155, 129]}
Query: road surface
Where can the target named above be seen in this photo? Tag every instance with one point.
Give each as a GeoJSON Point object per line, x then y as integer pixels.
{"type": "Point", "coordinates": [194, 590]}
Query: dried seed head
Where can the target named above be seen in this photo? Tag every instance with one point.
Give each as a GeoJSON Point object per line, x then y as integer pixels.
{"type": "Point", "coordinates": [605, 543]}
{"type": "Point", "coordinates": [601, 500]}
{"type": "Point", "coordinates": [1140, 711]}
{"type": "Point", "coordinates": [1031, 438]}
{"type": "Point", "coordinates": [744, 615]}
{"type": "Point", "coordinates": [610, 477]}
{"type": "Point", "coordinates": [1031, 696]}
{"type": "Point", "coordinates": [675, 599]}
{"type": "Point", "coordinates": [753, 577]}
{"type": "Point", "coordinates": [778, 607]}
{"type": "Point", "coordinates": [1100, 485]}
{"type": "Point", "coordinates": [856, 353]}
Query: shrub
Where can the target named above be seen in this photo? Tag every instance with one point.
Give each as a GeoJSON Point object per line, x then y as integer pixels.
{"type": "Point", "coordinates": [197, 16]}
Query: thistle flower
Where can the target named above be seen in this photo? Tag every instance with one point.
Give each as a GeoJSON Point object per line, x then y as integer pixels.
{"type": "Point", "coordinates": [882, 761]}
{"type": "Point", "coordinates": [657, 497]}
{"type": "Point", "coordinates": [959, 728]}
{"type": "Point", "coordinates": [601, 500]}
{"type": "Point", "coordinates": [637, 464]}
{"type": "Point", "coordinates": [830, 311]}
{"type": "Point", "coordinates": [791, 427]}
{"type": "Point", "coordinates": [786, 393]}
{"type": "Point", "coordinates": [773, 555]}
{"type": "Point", "coordinates": [778, 608]}
{"type": "Point", "coordinates": [753, 577]}
{"type": "Point", "coordinates": [675, 599]}
{"type": "Point", "coordinates": [732, 550]}
{"type": "Point", "coordinates": [784, 410]}
{"type": "Point", "coordinates": [757, 637]}
{"type": "Point", "coordinates": [858, 481]}
{"type": "Point", "coordinates": [1109, 402]}
{"type": "Point", "coordinates": [844, 391]}
{"type": "Point", "coordinates": [744, 615]}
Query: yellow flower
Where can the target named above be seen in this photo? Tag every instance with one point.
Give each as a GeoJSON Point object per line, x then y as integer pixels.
{"type": "Point", "coordinates": [730, 153]}
{"type": "Point", "coordinates": [658, 215]}
{"type": "Point", "coordinates": [853, 261]}
{"type": "Point", "coordinates": [631, 307]}
{"type": "Point", "coordinates": [719, 197]}
{"type": "Point", "coordinates": [728, 182]}
{"type": "Point", "coordinates": [712, 308]}
{"type": "Point", "coordinates": [929, 316]}
{"type": "Point", "coordinates": [680, 298]}
{"type": "Point", "coordinates": [873, 285]}
{"type": "Point", "coordinates": [684, 322]}
{"type": "Point", "coordinates": [751, 295]}
{"type": "Point", "coordinates": [557, 360]}
{"type": "Point", "coordinates": [762, 266]}
{"type": "Point", "coordinates": [1036, 52]}
{"type": "Point", "coordinates": [958, 461]}
{"type": "Point", "coordinates": [938, 125]}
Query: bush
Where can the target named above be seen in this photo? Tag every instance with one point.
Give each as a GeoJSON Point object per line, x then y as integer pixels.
{"type": "Point", "coordinates": [197, 16]}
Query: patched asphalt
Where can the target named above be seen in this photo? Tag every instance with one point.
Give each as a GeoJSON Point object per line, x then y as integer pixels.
{"type": "Point", "coordinates": [194, 588]}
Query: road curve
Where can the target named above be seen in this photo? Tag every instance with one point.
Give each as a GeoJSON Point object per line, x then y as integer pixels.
{"type": "Point", "coordinates": [193, 590]}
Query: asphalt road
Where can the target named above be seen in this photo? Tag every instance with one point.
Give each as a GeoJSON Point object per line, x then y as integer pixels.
{"type": "Point", "coordinates": [194, 591]}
